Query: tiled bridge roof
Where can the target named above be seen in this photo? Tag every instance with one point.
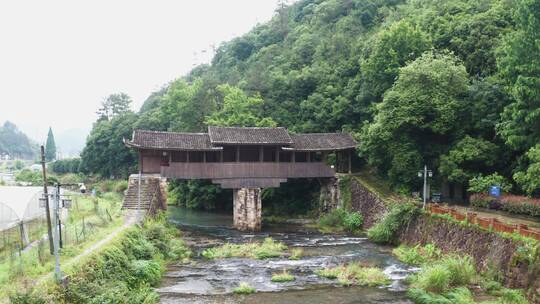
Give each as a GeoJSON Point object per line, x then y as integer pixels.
{"type": "Point", "coordinates": [219, 136]}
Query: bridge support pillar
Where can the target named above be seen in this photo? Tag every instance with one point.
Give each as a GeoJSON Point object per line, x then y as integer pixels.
{"type": "Point", "coordinates": [247, 209]}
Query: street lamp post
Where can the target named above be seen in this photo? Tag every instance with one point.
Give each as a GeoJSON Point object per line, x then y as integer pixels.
{"type": "Point", "coordinates": [425, 174]}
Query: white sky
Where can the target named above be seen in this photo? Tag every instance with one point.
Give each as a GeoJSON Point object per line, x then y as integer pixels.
{"type": "Point", "coordinates": [59, 59]}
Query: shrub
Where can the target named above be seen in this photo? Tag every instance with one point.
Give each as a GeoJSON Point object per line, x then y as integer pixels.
{"type": "Point", "coordinates": [481, 184]}
{"type": "Point", "coordinates": [282, 277]}
{"type": "Point", "coordinates": [26, 298]}
{"type": "Point", "coordinates": [461, 270]}
{"type": "Point", "coordinates": [409, 255]}
{"type": "Point", "coordinates": [148, 272]}
{"type": "Point", "coordinates": [121, 186]}
{"type": "Point", "coordinates": [244, 288]}
{"type": "Point", "coordinates": [510, 203]}
{"type": "Point", "coordinates": [434, 278]}
{"type": "Point", "coordinates": [341, 219]}
{"type": "Point", "coordinates": [384, 232]}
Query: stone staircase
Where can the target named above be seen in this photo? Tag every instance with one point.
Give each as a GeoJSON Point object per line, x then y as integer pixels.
{"type": "Point", "coordinates": [152, 194]}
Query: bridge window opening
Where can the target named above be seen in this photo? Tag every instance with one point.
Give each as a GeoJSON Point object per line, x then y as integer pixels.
{"type": "Point", "coordinates": [316, 157]}
{"type": "Point", "coordinates": [212, 157]}
{"type": "Point", "coordinates": [229, 154]}
{"type": "Point", "coordinates": [301, 157]}
{"type": "Point", "coordinates": [249, 154]}
{"type": "Point", "coordinates": [195, 156]}
{"type": "Point", "coordinates": [179, 157]}
{"type": "Point", "coordinates": [285, 157]}
{"type": "Point", "coordinates": [269, 154]}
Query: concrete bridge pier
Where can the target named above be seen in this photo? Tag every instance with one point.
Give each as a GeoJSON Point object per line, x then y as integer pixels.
{"type": "Point", "coordinates": [247, 209]}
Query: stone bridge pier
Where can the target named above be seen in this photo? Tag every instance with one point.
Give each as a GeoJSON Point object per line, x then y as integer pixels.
{"type": "Point", "coordinates": [247, 209]}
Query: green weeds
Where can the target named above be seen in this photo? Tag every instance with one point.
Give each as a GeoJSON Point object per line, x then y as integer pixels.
{"type": "Point", "coordinates": [244, 288]}
{"type": "Point", "coordinates": [385, 231]}
{"type": "Point", "coordinates": [355, 274]}
{"type": "Point", "coordinates": [341, 220]}
{"type": "Point", "coordinates": [282, 277]}
{"type": "Point", "coordinates": [265, 250]}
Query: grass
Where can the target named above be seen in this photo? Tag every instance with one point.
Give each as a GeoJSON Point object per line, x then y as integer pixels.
{"type": "Point", "coordinates": [123, 271]}
{"type": "Point", "coordinates": [265, 250]}
{"type": "Point", "coordinates": [355, 274]}
{"type": "Point", "coordinates": [282, 277]}
{"type": "Point", "coordinates": [417, 255]}
{"type": "Point", "coordinates": [244, 288]}
{"type": "Point", "coordinates": [374, 184]}
{"type": "Point", "coordinates": [296, 254]}
{"type": "Point", "coordinates": [100, 218]}
{"type": "Point", "coordinates": [447, 278]}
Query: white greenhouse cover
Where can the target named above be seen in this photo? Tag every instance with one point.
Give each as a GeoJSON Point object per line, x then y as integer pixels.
{"type": "Point", "coordinates": [19, 203]}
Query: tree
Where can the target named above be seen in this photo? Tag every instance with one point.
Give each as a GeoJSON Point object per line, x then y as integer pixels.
{"type": "Point", "coordinates": [239, 110]}
{"type": "Point", "coordinates": [50, 147]}
{"type": "Point", "coordinates": [114, 105]}
{"type": "Point", "coordinates": [529, 179]}
{"type": "Point", "coordinates": [418, 118]}
{"type": "Point", "coordinates": [469, 157]}
{"type": "Point", "coordinates": [394, 47]}
{"type": "Point", "coordinates": [519, 65]}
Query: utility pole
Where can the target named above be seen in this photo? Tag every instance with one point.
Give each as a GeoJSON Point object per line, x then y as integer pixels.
{"type": "Point", "coordinates": [58, 216]}
{"type": "Point", "coordinates": [425, 174]}
{"type": "Point", "coordinates": [46, 196]}
{"type": "Point", "coordinates": [57, 272]}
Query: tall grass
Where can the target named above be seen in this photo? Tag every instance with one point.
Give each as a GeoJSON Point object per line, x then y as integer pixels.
{"type": "Point", "coordinates": [341, 220]}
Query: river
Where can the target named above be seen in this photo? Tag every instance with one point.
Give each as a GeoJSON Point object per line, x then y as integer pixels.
{"type": "Point", "coordinates": [204, 281]}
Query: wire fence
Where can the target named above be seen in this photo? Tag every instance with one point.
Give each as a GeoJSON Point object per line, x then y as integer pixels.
{"type": "Point", "coordinates": [24, 245]}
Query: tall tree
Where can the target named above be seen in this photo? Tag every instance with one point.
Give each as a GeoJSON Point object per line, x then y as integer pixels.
{"type": "Point", "coordinates": [419, 117]}
{"type": "Point", "coordinates": [114, 105]}
{"type": "Point", "coordinates": [50, 146]}
{"type": "Point", "coordinates": [519, 64]}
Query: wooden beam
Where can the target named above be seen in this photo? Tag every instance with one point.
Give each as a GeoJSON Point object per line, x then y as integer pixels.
{"type": "Point", "coordinates": [350, 161]}
{"type": "Point", "coordinates": [237, 154]}
{"type": "Point", "coordinates": [261, 154]}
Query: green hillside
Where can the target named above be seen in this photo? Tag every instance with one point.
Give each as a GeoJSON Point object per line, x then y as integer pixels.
{"type": "Point", "coordinates": [451, 84]}
{"type": "Point", "coordinates": [15, 143]}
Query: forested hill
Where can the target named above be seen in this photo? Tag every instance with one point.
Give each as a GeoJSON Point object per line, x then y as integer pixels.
{"type": "Point", "coordinates": [15, 143]}
{"type": "Point", "coordinates": [451, 84]}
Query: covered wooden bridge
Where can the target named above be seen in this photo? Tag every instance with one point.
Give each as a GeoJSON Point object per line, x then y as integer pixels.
{"type": "Point", "coordinates": [243, 159]}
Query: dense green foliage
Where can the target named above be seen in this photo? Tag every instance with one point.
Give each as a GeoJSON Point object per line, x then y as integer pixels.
{"type": "Point", "coordinates": [385, 231]}
{"type": "Point", "coordinates": [68, 165]}
{"type": "Point", "coordinates": [451, 84]}
{"type": "Point", "coordinates": [15, 143]}
{"type": "Point", "coordinates": [481, 184]}
{"type": "Point", "coordinates": [50, 146]}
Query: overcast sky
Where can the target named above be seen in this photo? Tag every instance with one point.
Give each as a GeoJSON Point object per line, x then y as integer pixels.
{"type": "Point", "coordinates": [59, 59]}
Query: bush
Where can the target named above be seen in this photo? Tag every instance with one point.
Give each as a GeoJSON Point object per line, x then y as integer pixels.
{"type": "Point", "coordinates": [461, 269]}
{"type": "Point", "coordinates": [146, 271]}
{"type": "Point", "coordinates": [409, 255]}
{"type": "Point", "coordinates": [434, 278]}
{"type": "Point", "coordinates": [510, 203]}
{"type": "Point", "coordinates": [296, 254]}
{"type": "Point", "coordinates": [26, 298]}
{"type": "Point", "coordinates": [341, 219]}
{"type": "Point", "coordinates": [481, 184]}
{"type": "Point", "coordinates": [385, 231]}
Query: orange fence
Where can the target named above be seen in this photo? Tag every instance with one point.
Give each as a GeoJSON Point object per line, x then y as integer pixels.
{"type": "Point", "coordinates": [486, 223]}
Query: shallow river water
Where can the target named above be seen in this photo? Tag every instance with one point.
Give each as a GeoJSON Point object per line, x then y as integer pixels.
{"type": "Point", "coordinates": [204, 281]}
